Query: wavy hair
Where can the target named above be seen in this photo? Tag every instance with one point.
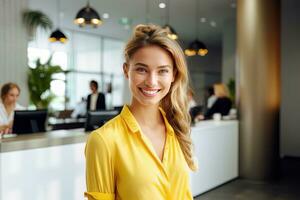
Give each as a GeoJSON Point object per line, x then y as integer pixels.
{"type": "Point", "coordinates": [175, 103]}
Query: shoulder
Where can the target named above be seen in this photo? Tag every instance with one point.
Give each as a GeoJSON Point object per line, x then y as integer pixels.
{"type": "Point", "coordinates": [101, 94]}
{"type": "Point", "coordinates": [108, 134]}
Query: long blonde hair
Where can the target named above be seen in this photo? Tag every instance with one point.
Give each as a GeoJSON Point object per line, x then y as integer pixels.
{"type": "Point", "coordinates": [175, 103]}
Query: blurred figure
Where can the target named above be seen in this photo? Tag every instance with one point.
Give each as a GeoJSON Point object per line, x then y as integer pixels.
{"type": "Point", "coordinates": [194, 109]}
{"type": "Point", "coordinates": [221, 105]}
{"type": "Point", "coordinates": [9, 95]}
{"type": "Point", "coordinates": [191, 101]}
{"type": "Point", "coordinates": [95, 100]}
{"type": "Point", "coordinates": [211, 97]}
{"type": "Point", "coordinates": [80, 109]}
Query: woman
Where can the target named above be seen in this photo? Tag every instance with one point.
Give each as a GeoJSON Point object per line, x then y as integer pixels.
{"type": "Point", "coordinates": [222, 104]}
{"type": "Point", "coordinates": [9, 95]}
{"type": "Point", "coordinates": [145, 152]}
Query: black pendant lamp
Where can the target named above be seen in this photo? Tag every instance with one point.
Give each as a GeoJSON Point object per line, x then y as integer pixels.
{"type": "Point", "coordinates": [88, 16]}
{"type": "Point", "coordinates": [58, 35]}
{"type": "Point", "coordinates": [171, 32]}
{"type": "Point", "coordinates": [196, 47]}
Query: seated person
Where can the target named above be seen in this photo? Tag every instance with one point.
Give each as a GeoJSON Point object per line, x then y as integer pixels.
{"type": "Point", "coordinates": [9, 95]}
{"type": "Point", "coordinates": [221, 105]}
{"type": "Point", "coordinates": [191, 101]}
{"type": "Point", "coordinates": [194, 109]}
{"type": "Point", "coordinates": [211, 97]}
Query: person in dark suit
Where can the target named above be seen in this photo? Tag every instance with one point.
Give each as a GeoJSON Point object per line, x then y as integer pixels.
{"type": "Point", "coordinates": [95, 100]}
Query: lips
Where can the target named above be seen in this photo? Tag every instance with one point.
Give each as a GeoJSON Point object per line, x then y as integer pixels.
{"type": "Point", "coordinates": [149, 92]}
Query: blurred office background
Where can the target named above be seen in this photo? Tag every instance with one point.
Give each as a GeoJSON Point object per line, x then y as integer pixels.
{"type": "Point", "coordinates": [97, 53]}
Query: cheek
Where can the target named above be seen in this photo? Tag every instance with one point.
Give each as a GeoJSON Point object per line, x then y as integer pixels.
{"type": "Point", "coordinates": [168, 81]}
{"type": "Point", "coordinates": [135, 79]}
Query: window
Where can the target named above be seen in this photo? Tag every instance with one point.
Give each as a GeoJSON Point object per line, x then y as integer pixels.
{"type": "Point", "coordinates": [84, 57]}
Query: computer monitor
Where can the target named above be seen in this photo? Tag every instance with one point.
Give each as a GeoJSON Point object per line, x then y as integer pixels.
{"type": "Point", "coordinates": [29, 121]}
{"type": "Point", "coordinates": [96, 119]}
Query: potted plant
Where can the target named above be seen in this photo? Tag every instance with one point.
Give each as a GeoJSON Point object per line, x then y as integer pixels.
{"type": "Point", "coordinates": [33, 19]}
{"type": "Point", "coordinates": [39, 83]}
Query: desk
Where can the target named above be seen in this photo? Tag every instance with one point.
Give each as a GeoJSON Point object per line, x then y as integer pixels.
{"type": "Point", "coordinates": [216, 149]}
{"type": "Point", "coordinates": [69, 123]}
{"type": "Point", "coordinates": [43, 166]}
{"type": "Point", "coordinates": [52, 165]}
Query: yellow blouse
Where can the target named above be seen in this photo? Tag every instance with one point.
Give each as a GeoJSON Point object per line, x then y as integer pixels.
{"type": "Point", "coordinates": [121, 164]}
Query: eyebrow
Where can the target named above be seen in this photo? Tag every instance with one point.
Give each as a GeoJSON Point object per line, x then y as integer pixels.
{"type": "Point", "coordinates": [162, 66]}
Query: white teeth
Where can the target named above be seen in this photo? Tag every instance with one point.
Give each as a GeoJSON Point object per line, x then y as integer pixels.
{"type": "Point", "coordinates": [150, 92]}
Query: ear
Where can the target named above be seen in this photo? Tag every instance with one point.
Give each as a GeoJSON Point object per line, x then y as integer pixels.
{"type": "Point", "coordinates": [125, 69]}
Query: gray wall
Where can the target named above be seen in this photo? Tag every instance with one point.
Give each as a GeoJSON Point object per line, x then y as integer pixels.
{"type": "Point", "coordinates": [13, 46]}
{"type": "Point", "coordinates": [290, 78]}
{"type": "Point", "coordinates": [228, 51]}
{"type": "Point", "coordinates": [205, 71]}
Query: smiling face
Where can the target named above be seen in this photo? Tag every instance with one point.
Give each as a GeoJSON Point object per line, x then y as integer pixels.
{"type": "Point", "coordinates": [12, 96]}
{"type": "Point", "coordinates": [150, 72]}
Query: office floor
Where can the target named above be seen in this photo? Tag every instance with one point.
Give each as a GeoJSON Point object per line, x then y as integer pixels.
{"type": "Point", "coordinates": [287, 187]}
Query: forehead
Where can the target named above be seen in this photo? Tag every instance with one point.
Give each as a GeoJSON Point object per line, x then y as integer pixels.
{"type": "Point", "coordinates": [152, 55]}
{"type": "Point", "coordinates": [13, 90]}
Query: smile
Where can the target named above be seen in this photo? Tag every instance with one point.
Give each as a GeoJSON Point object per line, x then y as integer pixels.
{"type": "Point", "coordinates": [150, 93]}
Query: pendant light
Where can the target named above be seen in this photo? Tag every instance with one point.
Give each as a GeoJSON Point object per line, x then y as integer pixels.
{"type": "Point", "coordinates": [196, 47]}
{"type": "Point", "coordinates": [57, 35]}
{"type": "Point", "coordinates": [88, 16]}
{"type": "Point", "coordinates": [171, 32]}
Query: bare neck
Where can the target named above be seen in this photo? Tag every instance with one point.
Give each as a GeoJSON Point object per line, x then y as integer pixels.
{"type": "Point", "coordinates": [146, 115]}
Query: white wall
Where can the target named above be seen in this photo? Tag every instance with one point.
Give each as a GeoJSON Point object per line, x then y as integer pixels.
{"type": "Point", "coordinates": [13, 46]}
{"type": "Point", "coordinates": [290, 78]}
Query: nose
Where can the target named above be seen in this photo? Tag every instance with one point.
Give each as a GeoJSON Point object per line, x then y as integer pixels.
{"type": "Point", "coordinates": [151, 79]}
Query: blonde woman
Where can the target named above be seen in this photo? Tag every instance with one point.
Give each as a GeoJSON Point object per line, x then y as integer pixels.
{"type": "Point", "coordinates": [222, 104]}
{"type": "Point", "coordinates": [145, 152]}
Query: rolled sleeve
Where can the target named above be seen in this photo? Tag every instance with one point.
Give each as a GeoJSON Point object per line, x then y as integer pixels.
{"type": "Point", "coordinates": [99, 196]}
{"type": "Point", "coordinates": [100, 175]}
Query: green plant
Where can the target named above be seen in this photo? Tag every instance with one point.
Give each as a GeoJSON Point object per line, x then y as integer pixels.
{"type": "Point", "coordinates": [39, 80]}
{"type": "Point", "coordinates": [231, 88]}
{"type": "Point", "coordinates": [32, 19]}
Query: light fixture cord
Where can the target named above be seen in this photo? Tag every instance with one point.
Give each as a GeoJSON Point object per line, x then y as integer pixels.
{"type": "Point", "coordinates": [196, 18]}
{"type": "Point", "coordinates": [57, 13]}
{"type": "Point", "coordinates": [147, 12]}
{"type": "Point", "coordinates": [168, 12]}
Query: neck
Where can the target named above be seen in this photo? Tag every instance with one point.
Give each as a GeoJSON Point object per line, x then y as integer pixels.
{"type": "Point", "coordinates": [146, 115]}
{"type": "Point", "coordinates": [10, 106]}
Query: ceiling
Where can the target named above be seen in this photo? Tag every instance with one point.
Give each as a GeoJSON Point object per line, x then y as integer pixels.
{"type": "Point", "coordinates": [181, 16]}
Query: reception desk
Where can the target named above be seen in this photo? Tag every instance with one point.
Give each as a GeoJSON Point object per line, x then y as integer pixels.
{"type": "Point", "coordinates": [52, 165]}
{"type": "Point", "coordinates": [216, 150]}
{"type": "Point", "coordinates": [43, 166]}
